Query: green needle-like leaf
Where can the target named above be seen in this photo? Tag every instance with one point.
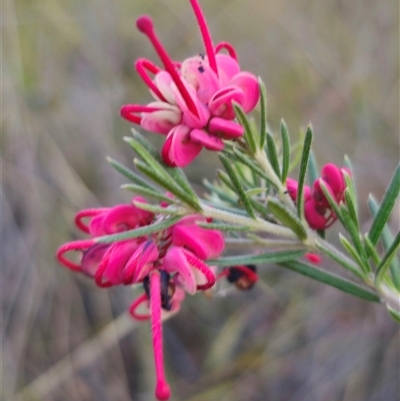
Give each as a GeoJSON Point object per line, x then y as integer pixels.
{"type": "Point", "coordinates": [351, 250]}
{"type": "Point", "coordinates": [167, 184]}
{"type": "Point", "coordinates": [261, 258]}
{"type": "Point", "coordinates": [287, 218]}
{"type": "Point", "coordinates": [129, 174]}
{"type": "Point", "coordinates": [334, 254]}
{"type": "Point", "coordinates": [331, 279]}
{"type": "Point", "coordinates": [147, 192]}
{"type": "Point", "coordinates": [371, 250]}
{"type": "Point", "coordinates": [138, 232]}
{"type": "Point", "coordinates": [248, 133]}
{"type": "Point", "coordinates": [312, 169]}
{"type": "Point", "coordinates": [385, 208]}
{"type": "Point", "coordinates": [285, 151]}
{"type": "Point", "coordinates": [222, 226]}
{"type": "Point", "coordinates": [272, 154]}
{"type": "Point", "coordinates": [351, 206]}
{"type": "Point", "coordinates": [263, 110]}
{"type": "Point", "coordinates": [385, 263]}
{"type": "Point", "coordinates": [303, 170]}
{"type": "Point", "coordinates": [238, 186]}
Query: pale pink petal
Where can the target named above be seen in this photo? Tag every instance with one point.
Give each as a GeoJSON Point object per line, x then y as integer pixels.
{"type": "Point", "coordinates": [176, 261]}
{"type": "Point", "coordinates": [164, 82]}
{"type": "Point", "coordinates": [249, 84]}
{"type": "Point", "coordinates": [221, 104]}
{"type": "Point", "coordinates": [210, 142]}
{"type": "Point", "coordinates": [163, 119]}
{"type": "Point", "coordinates": [179, 150]}
{"type": "Point", "coordinates": [202, 242]}
{"type": "Point", "coordinates": [228, 67]}
{"type": "Point", "coordinates": [200, 75]}
{"type": "Point", "coordinates": [224, 128]}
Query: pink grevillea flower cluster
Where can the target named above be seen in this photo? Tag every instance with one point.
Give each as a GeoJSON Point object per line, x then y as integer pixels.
{"type": "Point", "coordinates": [194, 99]}
{"type": "Point", "coordinates": [317, 210]}
{"type": "Point", "coordinates": [168, 264]}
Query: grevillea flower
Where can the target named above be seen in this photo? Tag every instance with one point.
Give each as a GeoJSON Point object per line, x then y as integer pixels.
{"type": "Point", "coordinates": [194, 99]}
{"type": "Point", "coordinates": [168, 264]}
{"type": "Point", "coordinates": [317, 210]}
{"type": "Point", "coordinates": [242, 276]}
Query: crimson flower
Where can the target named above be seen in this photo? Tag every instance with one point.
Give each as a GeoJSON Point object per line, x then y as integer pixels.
{"type": "Point", "coordinates": [167, 264]}
{"type": "Point", "coordinates": [193, 103]}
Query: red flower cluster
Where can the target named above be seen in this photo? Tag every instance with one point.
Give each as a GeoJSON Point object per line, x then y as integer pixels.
{"type": "Point", "coordinates": [317, 210]}
{"type": "Point", "coordinates": [194, 99]}
{"type": "Point", "coordinates": [168, 264]}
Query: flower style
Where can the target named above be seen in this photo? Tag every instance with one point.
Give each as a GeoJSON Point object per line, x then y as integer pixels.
{"type": "Point", "coordinates": [317, 210]}
{"type": "Point", "coordinates": [168, 264]}
{"type": "Point", "coordinates": [194, 99]}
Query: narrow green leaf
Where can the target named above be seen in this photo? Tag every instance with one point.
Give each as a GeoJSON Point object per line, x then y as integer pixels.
{"type": "Point", "coordinates": [129, 174]}
{"type": "Point", "coordinates": [371, 251]}
{"type": "Point", "coordinates": [224, 177]}
{"type": "Point", "coordinates": [385, 263]}
{"type": "Point", "coordinates": [387, 239]}
{"type": "Point", "coordinates": [272, 154]}
{"type": "Point", "coordinates": [261, 258]}
{"type": "Point", "coordinates": [138, 232]}
{"type": "Point", "coordinates": [353, 252]}
{"type": "Point", "coordinates": [287, 218]}
{"type": "Point", "coordinates": [249, 163]}
{"type": "Point", "coordinates": [334, 254]}
{"type": "Point", "coordinates": [285, 151]}
{"type": "Point", "coordinates": [157, 209]}
{"type": "Point", "coordinates": [331, 279]}
{"type": "Point", "coordinates": [386, 206]}
{"type": "Point", "coordinates": [147, 192]}
{"type": "Point", "coordinates": [303, 170]}
{"type": "Point", "coordinates": [173, 176]}
{"type": "Point", "coordinates": [222, 226]}
{"type": "Point", "coordinates": [312, 169]}
{"type": "Point", "coordinates": [222, 194]}
{"type": "Point", "coordinates": [351, 206]}
{"type": "Point", "coordinates": [238, 186]}
{"type": "Point", "coordinates": [263, 110]}
{"type": "Point", "coordinates": [168, 185]}
{"type": "Point", "coordinates": [248, 133]}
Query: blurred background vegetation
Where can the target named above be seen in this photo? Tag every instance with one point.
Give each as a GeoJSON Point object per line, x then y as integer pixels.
{"type": "Point", "coordinates": [66, 70]}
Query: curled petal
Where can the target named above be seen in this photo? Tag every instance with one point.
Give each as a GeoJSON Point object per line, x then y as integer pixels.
{"type": "Point", "coordinates": [333, 176]}
{"type": "Point", "coordinates": [175, 261]}
{"type": "Point", "coordinates": [80, 246]}
{"type": "Point", "coordinates": [179, 150]}
{"type": "Point", "coordinates": [203, 138]}
{"type": "Point", "coordinates": [292, 185]}
{"type": "Point", "coordinates": [130, 112]}
{"type": "Point", "coordinates": [85, 214]}
{"type": "Point", "coordinates": [121, 218]}
{"type": "Point", "coordinates": [205, 277]}
{"type": "Point", "coordinates": [91, 259]}
{"type": "Point", "coordinates": [228, 66]}
{"type": "Point", "coordinates": [225, 128]}
{"type": "Point", "coordinates": [221, 103]}
{"type": "Point", "coordinates": [120, 254]}
{"type": "Point", "coordinates": [140, 263]}
{"type": "Point", "coordinates": [203, 243]}
{"type": "Point", "coordinates": [142, 67]}
{"type": "Point", "coordinates": [315, 216]}
{"type": "Point", "coordinates": [249, 85]}
{"type": "Point", "coordinates": [96, 225]}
